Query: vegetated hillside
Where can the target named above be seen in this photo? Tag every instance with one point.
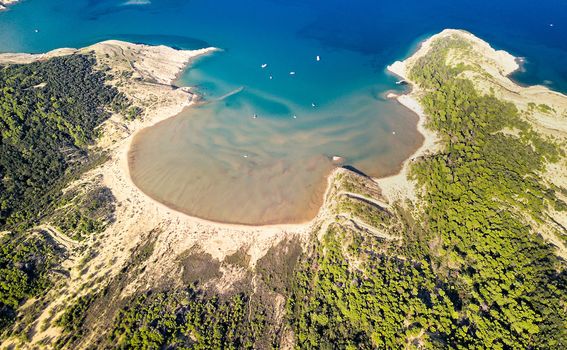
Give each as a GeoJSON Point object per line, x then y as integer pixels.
{"type": "Point", "coordinates": [49, 111]}
{"type": "Point", "coordinates": [472, 270]}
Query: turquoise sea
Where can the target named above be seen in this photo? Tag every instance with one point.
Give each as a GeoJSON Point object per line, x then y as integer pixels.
{"type": "Point", "coordinates": [219, 162]}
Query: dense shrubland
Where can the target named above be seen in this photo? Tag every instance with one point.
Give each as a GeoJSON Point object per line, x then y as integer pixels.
{"type": "Point", "coordinates": [49, 114]}
{"type": "Point", "coordinates": [25, 262]}
{"type": "Point", "coordinates": [184, 319]}
{"type": "Point", "coordinates": [83, 212]}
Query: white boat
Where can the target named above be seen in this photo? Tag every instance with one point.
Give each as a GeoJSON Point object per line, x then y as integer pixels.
{"type": "Point", "coordinates": [294, 116]}
{"type": "Point", "coordinates": [318, 58]}
{"type": "Point", "coordinates": [264, 65]}
{"type": "Point", "coordinates": [292, 73]}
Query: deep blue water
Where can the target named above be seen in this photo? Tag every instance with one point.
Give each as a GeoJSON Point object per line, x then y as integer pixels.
{"type": "Point", "coordinates": [250, 159]}
{"type": "Point", "coordinates": [380, 30]}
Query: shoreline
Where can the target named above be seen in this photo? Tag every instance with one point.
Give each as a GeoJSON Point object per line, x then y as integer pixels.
{"type": "Point", "coordinates": [499, 65]}
{"type": "Point", "coordinates": [176, 62]}
{"type": "Point", "coordinates": [141, 221]}
{"type": "Point", "coordinates": [387, 182]}
{"type": "Point", "coordinates": [399, 186]}
{"type": "Point", "coordinates": [125, 160]}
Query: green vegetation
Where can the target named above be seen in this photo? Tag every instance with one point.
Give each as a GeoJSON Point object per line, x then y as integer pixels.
{"type": "Point", "coordinates": [25, 261]}
{"type": "Point", "coordinates": [542, 107]}
{"type": "Point", "coordinates": [277, 267]}
{"type": "Point", "coordinates": [132, 113]}
{"type": "Point", "coordinates": [187, 318]}
{"type": "Point", "coordinates": [81, 214]}
{"type": "Point", "coordinates": [384, 302]}
{"type": "Point", "coordinates": [49, 112]}
{"type": "Point", "coordinates": [72, 320]}
{"type": "Point", "coordinates": [367, 212]}
{"type": "Point", "coordinates": [184, 320]}
{"type": "Point", "coordinates": [478, 193]}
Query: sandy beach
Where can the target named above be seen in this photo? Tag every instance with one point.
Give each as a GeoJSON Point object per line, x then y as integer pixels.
{"type": "Point", "coordinates": [163, 65]}
{"type": "Point", "coordinates": [399, 187]}
{"type": "Point", "coordinates": [153, 69]}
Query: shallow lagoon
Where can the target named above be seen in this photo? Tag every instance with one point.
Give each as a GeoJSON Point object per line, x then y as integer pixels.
{"type": "Point", "coordinates": [218, 162]}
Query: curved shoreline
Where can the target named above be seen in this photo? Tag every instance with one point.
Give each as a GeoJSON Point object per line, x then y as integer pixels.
{"type": "Point", "coordinates": [166, 66]}
{"type": "Point", "coordinates": [405, 100]}
{"type": "Point", "coordinates": [156, 118]}
{"type": "Point", "coordinates": [166, 69]}
{"type": "Point", "coordinates": [320, 202]}
{"type": "Point", "coordinates": [125, 165]}
{"type": "Point", "coordinates": [399, 186]}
